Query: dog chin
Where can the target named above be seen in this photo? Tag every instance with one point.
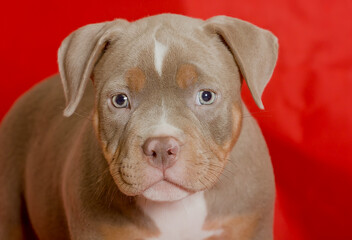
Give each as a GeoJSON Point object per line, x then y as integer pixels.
{"type": "Point", "coordinates": [164, 191]}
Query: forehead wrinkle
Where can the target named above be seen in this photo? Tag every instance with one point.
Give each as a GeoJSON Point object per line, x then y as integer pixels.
{"type": "Point", "coordinates": [115, 82]}
{"type": "Point", "coordinates": [200, 67]}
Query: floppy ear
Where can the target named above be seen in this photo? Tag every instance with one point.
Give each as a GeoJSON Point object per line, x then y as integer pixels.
{"type": "Point", "coordinates": [77, 56]}
{"type": "Point", "coordinates": [255, 51]}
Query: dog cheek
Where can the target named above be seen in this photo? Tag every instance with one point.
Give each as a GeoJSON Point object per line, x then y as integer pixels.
{"type": "Point", "coordinates": [123, 173]}
{"type": "Point", "coordinates": [236, 123]}
{"type": "Point", "coordinates": [130, 170]}
{"type": "Point", "coordinates": [108, 156]}
{"type": "Point", "coordinates": [199, 166]}
{"type": "Point", "coordinates": [101, 137]}
{"type": "Point", "coordinates": [227, 134]}
{"type": "Point", "coordinates": [220, 128]}
{"type": "Point", "coordinates": [224, 127]}
{"type": "Point", "coordinates": [225, 131]}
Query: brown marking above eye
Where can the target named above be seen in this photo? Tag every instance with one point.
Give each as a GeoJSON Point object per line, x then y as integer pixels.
{"type": "Point", "coordinates": [186, 75]}
{"type": "Point", "coordinates": [135, 79]}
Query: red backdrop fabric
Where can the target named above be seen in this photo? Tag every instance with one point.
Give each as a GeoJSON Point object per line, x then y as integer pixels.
{"type": "Point", "coordinates": [308, 119]}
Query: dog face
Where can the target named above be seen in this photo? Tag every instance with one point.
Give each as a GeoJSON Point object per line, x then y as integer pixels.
{"type": "Point", "coordinates": [168, 105]}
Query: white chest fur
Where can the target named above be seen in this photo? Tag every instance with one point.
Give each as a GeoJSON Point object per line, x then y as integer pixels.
{"type": "Point", "coordinates": [180, 220]}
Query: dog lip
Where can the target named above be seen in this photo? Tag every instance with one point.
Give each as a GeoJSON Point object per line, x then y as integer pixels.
{"type": "Point", "coordinates": [178, 185]}
{"type": "Point", "coordinates": [169, 181]}
{"type": "Point", "coordinates": [165, 191]}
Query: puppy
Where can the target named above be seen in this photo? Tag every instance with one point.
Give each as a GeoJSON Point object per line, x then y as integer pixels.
{"type": "Point", "coordinates": [155, 141]}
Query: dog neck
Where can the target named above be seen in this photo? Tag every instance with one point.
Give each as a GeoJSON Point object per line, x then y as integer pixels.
{"type": "Point", "coordinates": [179, 219]}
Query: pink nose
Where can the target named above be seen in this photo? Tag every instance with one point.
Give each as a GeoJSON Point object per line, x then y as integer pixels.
{"type": "Point", "coordinates": [161, 152]}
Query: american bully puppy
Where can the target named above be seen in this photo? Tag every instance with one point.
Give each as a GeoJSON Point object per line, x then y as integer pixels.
{"type": "Point", "coordinates": [154, 141]}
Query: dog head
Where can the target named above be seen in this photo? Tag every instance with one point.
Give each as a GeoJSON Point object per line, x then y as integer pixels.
{"type": "Point", "coordinates": [167, 95]}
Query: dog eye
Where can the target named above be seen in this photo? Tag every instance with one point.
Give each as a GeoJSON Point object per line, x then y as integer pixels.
{"type": "Point", "coordinates": [120, 101]}
{"type": "Point", "coordinates": [205, 97]}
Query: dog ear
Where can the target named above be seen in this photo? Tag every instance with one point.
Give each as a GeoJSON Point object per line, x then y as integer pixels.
{"type": "Point", "coordinates": [77, 57]}
{"type": "Point", "coordinates": [255, 51]}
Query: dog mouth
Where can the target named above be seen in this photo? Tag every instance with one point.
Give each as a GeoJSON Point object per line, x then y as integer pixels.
{"type": "Point", "coordinates": [165, 191]}
{"type": "Point", "coordinates": [162, 178]}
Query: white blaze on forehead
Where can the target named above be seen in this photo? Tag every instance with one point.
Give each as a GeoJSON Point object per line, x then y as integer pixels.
{"type": "Point", "coordinates": [159, 55]}
{"type": "Point", "coordinates": [179, 220]}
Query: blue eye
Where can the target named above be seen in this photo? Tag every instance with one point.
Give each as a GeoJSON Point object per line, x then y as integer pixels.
{"type": "Point", "coordinates": [205, 97]}
{"type": "Point", "coordinates": [120, 101]}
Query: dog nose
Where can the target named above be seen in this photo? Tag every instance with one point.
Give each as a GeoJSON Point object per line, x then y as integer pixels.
{"type": "Point", "coordinates": [161, 152]}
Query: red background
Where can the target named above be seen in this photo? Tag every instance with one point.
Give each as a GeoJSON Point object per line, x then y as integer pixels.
{"type": "Point", "coordinates": [308, 119]}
